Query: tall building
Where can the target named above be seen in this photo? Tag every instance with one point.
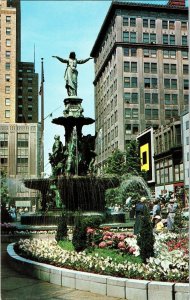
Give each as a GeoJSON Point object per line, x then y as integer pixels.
{"type": "Point", "coordinates": [9, 56]}
{"type": "Point", "coordinates": [141, 71]}
{"type": "Point", "coordinates": [19, 128]}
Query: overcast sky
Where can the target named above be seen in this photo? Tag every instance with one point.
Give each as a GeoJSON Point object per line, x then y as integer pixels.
{"type": "Point", "coordinates": [57, 28]}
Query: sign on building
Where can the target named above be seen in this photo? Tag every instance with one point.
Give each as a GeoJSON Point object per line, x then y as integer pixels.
{"type": "Point", "coordinates": [146, 147]}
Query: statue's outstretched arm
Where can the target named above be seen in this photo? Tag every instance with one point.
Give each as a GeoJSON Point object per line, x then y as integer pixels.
{"type": "Point", "coordinates": [61, 59]}
{"type": "Point", "coordinates": [83, 61]}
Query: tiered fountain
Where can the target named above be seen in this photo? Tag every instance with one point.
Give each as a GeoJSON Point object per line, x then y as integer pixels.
{"type": "Point", "coordinates": [73, 185]}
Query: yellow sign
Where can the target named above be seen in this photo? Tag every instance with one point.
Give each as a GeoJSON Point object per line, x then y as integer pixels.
{"type": "Point", "coordinates": [144, 156]}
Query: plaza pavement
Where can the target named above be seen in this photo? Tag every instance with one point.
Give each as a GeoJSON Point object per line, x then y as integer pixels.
{"type": "Point", "coordinates": [15, 286]}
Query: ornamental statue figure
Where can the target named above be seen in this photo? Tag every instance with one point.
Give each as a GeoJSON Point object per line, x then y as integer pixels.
{"type": "Point", "coordinates": [71, 72]}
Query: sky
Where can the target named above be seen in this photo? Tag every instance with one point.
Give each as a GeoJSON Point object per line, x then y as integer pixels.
{"type": "Point", "coordinates": [57, 28]}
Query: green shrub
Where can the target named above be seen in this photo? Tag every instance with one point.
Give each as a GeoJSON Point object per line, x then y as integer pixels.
{"type": "Point", "coordinates": [93, 221]}
{"type": "Point", "coordinates": [145, 239]}
{"type": "Point", "coordinates": [61, 233]}
{"type": "Point", "coordinates": [79, 235]}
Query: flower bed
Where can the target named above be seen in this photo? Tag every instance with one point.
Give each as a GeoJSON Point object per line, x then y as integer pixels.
{"type": "Point", "coordinates": [165, 266]}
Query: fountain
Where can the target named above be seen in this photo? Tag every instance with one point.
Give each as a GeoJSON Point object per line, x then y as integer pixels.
{"type": "Point", "coordinates": [74, 185]}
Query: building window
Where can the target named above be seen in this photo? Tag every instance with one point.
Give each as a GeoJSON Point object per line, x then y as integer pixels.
{"type": "Point", "coordinates": [187, 140]}
{"type": "Point", "coordinates": [152, 23]}
{"type": "Point", "coordinates": [29, 89]}
{"type": "Point", "coordinates": [171, 25]}
{"type": "Point", "coordinates": [170, 84]}
{"type": "Point", "coordinates": [151, 98]}
{"type": "Point", "coordinates": [130, 82]}
{"type": "Point", "coordinates": [185, 69]}
{"type": "Point", "coordinates": [7, 66]}
{"type": "Point", "coordinates": [29, 117]}
{"type": "Point", "coordinates": [184, 25]}
{"type": "Point", "coordinates": [8, 43]}
{"type": "Point", "coordinates": [169, 69]}
{"type": "Point", "coordinates": [151, 114]}
{"type": "Point", "coordinates": [145, 23]}
{"type": "Point", "coordinates": [125, 21]}
{"type": "Point", "coordinates": [186, 99]}
{"type": "Point", "coordinates": [131, 113]}
{"type": "Point", "coordinates": [150, 83]}
{"type": "Point", "coordinates": [129, 37]}
{"type": "Point", "coordinates": [132, 22]}
{"type": "Point", "coordinates": [7, 90]}
{"type": "Point", "coordinates": [130, 52]}
{"type": "Point", "coordinates": [7, 77]}
{"type": "Point", "coordinates": [8, 54]}
{"type": "Point", "coordinates": [184, 40]}
{"type": "Point", "coordinates": [29, 98]}
{"type": "Point", "coordinates": [130, 67]}
{"type": "Point", "coordinates": [8, 19]}
{"type": "Point", "coordinates": [150, 67]}
{"type": "Point", "coordinates": [186, 84]}
{"type": "Point", "coordinates": [3, 140]}
{"type": "Point", "coordinates": [149, 38]}
{"type": "Point", "coordinates": [8, 30]}
{"type": "Point", "coordinates": [150, 52]}
{"type": "Point", "coordinates": [131, 97]}
{"type": "Point", "coordinates": [22, 140]}
{"type": "Point", "coordinates": [187, 125]}
{"type": "Point", "coordinates": [184, 54]}
{"type": "Point", "coordinates": [7, 113]}
{"type": "Point", "coordinates": [164, 24]}
{"type": "Point", "coordinates": [7, 101]}
{"type": "Point", "coordinates": [171, 99]}
{"type": "Point", "coordinates": [171, 113]}
{"type": "Point", "coordinates": [169, 54]}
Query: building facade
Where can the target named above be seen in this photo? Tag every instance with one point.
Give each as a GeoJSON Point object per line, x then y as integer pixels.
{"type": "Point", "coordinates": [141, 71]}
{"type": "Point", "coordinates": [168, 158]}
{"type": "Point", "coordinates": [186, 147]}
{"type": "Point", "coordinates": [19, 128]}
{"type": "Point", "coordinates": [9, 56]}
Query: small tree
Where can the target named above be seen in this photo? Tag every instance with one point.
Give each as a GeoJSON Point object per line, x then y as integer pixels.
{"type": "Point", "coordinates": [4, 194]}
{"type": "Point", "coordinates": [61, 233]}
{"type": "Point", "coordinates": [79, 240]}
{"type": "Point", "coordinates": [115, 163]}
{"type": "Point", "coordinates": [145, 238]}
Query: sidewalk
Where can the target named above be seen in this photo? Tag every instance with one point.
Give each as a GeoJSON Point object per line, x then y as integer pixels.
{"type": "Point", "coordinates": [15, 286]}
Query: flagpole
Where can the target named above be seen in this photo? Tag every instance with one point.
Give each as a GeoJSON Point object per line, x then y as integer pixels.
{"type": "Point", "coordinates": [42, 117]}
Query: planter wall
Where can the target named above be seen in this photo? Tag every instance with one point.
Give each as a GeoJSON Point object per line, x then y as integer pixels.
{"type": "Point", "coordinates": [129, 289]}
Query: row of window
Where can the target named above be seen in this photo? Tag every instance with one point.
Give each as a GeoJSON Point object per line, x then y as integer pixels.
{"type": "Point", "coordinates": [8, 88]}
{"type": "Point", "coordinates": [132, 52]}
{"type": "Point", "coordinates": [150, 38]}
{"type": "Point", "coordinates": [152, 98]}
{"type": "Point", "coordinates": [131, 82]}
{"type": "Point", "coordinates": [20, 116]}
{"type": "Point", "coordinates": [152, 68]}
{"type": "Point", "coordinates": [150, 114]}
{"type": "Point", "coordinates": [151, 23]}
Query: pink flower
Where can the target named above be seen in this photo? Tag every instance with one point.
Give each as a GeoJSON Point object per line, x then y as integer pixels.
{"type": "Point", "coordinates": [102, 245]}
{"type": "Point", "coordinates": [90, 230]}
{"type": "Point", "coordinates": [109, 243]}
{"type": "Point", "coordinates": [121, 245]}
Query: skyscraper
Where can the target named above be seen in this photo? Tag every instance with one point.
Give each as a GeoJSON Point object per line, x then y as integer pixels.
{"type": "Point", "coordinates": [19, 128]}
{"type": "Point", "coordinates": [141, 71]}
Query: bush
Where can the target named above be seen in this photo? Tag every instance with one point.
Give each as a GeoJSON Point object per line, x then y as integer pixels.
{"type": "Point", "coordinates": [79, 235]}
{"type": "Point", "coordinates": [61, 233]}
{"type": "Point", "coordinates": [93, 221]}
{"type": "Point", "coordinates": [145, 238]}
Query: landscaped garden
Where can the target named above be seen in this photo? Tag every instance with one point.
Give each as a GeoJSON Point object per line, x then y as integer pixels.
{"type": "Point", "coordinates": [117, 254]}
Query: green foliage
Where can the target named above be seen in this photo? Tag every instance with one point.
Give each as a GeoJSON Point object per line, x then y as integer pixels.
{"type": "Point", "coordinates": [113, 196]}
{"type": "Point", "coordinates": [61, 233]}
{"type": "Point", "coordinates": [145, 238]}
{"type": "Point", "coordinates": [116, 255]}
{"type": "Point", "coordinates": [93, 221]}
{"type": "Point", "coordinates": [79, 234]}
{"type": "Point", "coordinates": [116, 163]}
{"type": "Point", "coordinates": [133, 164]}
{"type": "Point", "coordinates": [4, 194]}
{"type": "Point", "coordinates": [66, 245]}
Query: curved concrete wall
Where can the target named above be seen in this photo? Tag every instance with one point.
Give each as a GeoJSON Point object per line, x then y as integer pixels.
{"type": "Point", "coordinates": [129, 289]}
